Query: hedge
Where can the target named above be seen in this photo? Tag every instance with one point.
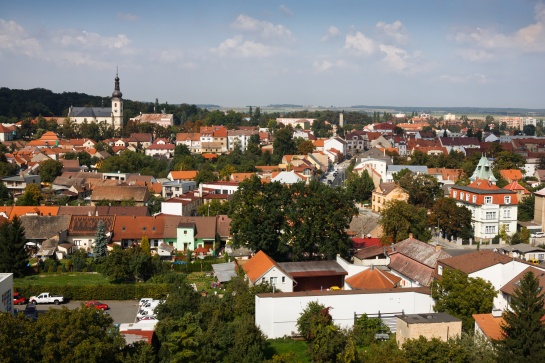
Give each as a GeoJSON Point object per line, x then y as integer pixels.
{"type": "Point", "coordinates": [99, 292]}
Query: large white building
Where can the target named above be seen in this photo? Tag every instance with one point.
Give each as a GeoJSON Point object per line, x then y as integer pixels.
{"type": "Point", "coordinates": [112, 116]}
{"type": "Point", "coordinates": [6, 291]}
{"type": "Point", "coordinates": [491, 207]}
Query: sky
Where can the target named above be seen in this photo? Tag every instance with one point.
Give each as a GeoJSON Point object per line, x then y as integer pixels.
{"type": "Point", "coordinates": [436, 53]}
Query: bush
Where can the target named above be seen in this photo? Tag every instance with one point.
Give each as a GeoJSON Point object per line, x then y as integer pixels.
{"type": "Point", "coordinates": [99, 292]}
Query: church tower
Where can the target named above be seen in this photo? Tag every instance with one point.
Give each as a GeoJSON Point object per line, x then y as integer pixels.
{"type": "Point", "coordinates": [117, 105]}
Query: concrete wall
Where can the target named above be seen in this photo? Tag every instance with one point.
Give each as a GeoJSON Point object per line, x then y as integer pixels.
{"type": "Point", "coordinates": [276, 314]}
{"type": "Point", "coordinates": [6, 292]}
{"type": "Point", "coordinates": [441, 330]}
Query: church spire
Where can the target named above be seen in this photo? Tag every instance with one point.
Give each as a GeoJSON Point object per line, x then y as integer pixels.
{"type": "Point", "coordinates": [117, 92]}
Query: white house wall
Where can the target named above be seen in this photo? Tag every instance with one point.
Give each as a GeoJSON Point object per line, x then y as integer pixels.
{"type": "Point", "coordinates": [6, 292]}
{"type": "Point", "coordinates": [275, 274]}
{"type": "Point", "coordinates": [276, 314]}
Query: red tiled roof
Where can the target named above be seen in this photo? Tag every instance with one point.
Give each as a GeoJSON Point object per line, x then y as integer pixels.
{"type": "Point", "coordinates": [490, 325]}
{"type": "Point", "coordinates": [475, 261]}
{"type": "Point", "coordinates": [372, 279]}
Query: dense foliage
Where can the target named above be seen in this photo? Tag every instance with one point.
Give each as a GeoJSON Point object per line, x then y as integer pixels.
{"type": "Point", "coordinates": [300, 222]}
{"type": "Point", "coordinates": [462, 296]}
{"type": "Point", "coordinates": [13, 255]}
{"type": "Point", "coordinates": [399, 218]}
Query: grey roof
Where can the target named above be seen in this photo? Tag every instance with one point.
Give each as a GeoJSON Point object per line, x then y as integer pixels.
{"type": "Point", "coordinates": [431, 318]}
{"type": "Point", "coordinates": [224, 271]}
{"type": "Point", "coordinates": [484, 191]}
{"type": "Point", "coordinates": [44, 227]}
{"type": "Point", "coordinates": [312, 268]}
{"type": "Point", "coordinates": [420, 251]}
{"type": "Point", "coordinates": [523, 247]}
{"type": "Point", "coordinates": [421, 169]}
{"type": "Point", "coordinates": [90, 112]}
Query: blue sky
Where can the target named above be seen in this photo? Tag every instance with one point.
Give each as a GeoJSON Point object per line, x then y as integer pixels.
{"type": "Point", "coordinates": [481, 53]}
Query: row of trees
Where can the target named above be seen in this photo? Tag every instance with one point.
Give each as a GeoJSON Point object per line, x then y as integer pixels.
{"type": "Point", "coordinates": [299, 222]}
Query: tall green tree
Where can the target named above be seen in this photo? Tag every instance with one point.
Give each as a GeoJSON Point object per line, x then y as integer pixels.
{"type": "Point", "coordinates": [283, 143]}
{"type": "Point", "coordinates": [100, 249]}
{"type": "Point", "coordinates": [317, 221]}
{"type": "Point", "coordinates": [399, 218]}
{"type": "Point", "coordinates": [360, 187]}
{"type": "Point", "coordinates": [523, 331]}
{"type": "Point", "coordinates": [462, 296]}
{"type": "Point", "coordinates": [49, 170]}
{"type": "Point", "coordinates": [258, 218]}
{"type": "Point", "coordinates": [13, 255]}
{"type": "Point", "coordinates": [526, 208]}
{"type": "Point", "coordinates": [452, 219]}
{"type": "Point", "coordinates": [423, 189]}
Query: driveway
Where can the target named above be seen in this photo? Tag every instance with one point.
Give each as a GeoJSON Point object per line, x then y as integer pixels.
{"type": "Point", "coordinates": [122, 311]}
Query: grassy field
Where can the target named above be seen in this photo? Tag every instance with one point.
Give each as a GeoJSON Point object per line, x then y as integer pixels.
{"type": "Point", "coordinates": [286, 345]}
{"type": "Point", "coordinates": [72, 278]}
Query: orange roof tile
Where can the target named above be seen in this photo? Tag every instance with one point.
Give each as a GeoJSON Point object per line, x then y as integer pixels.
{"type": "Point", "coordinates": [490, 325]}
{"type": "Point", "coordinates": [373, 279]}
{"type": "Point", "coordinates": [258, 265]}
{"type": "Point", "coordinates": [183, 174]}
{"type": "Point", "coordinates": [40, 210]}
{"type": "Point", "coordinates": [511, 174]}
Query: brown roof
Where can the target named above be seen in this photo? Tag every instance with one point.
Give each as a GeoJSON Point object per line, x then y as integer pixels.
{"type": "Point", "coordinates": [411, 268]}
{"type": "Point", "coordinates": [509, 288]}
{"type": "Point", "coordinates": [312, 268]}
{"type": "Point", "coordinates": [372, 251]}
{"type": "Point", "coordinates": [373, 278]}
{"type": "Point", "coordinates": [120, 193]}
{"type": "Point", "coordinates": [419, 251]}
{"type": "Point", "coordinates": [475, 261]}
{"type": "Point", "coordinates": [88, 225]}
{"type": "Point", "coordinates": [43, 227]}
{"type": "Point", "coordinates": [135, 227]}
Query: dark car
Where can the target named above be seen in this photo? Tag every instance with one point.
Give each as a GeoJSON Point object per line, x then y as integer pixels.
{"type": "Point", "coordinates": [18, 299]}
{"type": "Point", "coordinates": [31, 312]}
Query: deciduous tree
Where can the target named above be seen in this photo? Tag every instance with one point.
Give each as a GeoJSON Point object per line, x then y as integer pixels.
{"type": "Point", "coordinates": [454, 220]}
{"type": "Point", "coordinates": [462, 296]}
{"type": "Point", "coordinates": [399, 218]}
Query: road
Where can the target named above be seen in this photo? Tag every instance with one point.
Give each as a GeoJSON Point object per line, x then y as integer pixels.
{"type": "Point", "coordinates": [122, 311]}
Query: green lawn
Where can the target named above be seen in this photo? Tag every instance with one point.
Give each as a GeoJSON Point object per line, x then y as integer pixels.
{"type": "Point", "coordinates": [61, 279]}
{"type": "Point", "coordinates": [288, 345]}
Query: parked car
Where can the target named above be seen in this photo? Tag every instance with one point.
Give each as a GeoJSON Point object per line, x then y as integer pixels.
{"type": "Point", "coordinates": [538, 235]}
{"type": "Point", "coordinates": [18, 299]}
{"type": "Point", "coordinates": [145, 313]}
{"type": "Point", "coordinates": [148, 318]}
{"type": "Point", "coordinates": [97, 305]}
{"type": "Point", "coordinates": [31, 312]}
{"type": "Point", "coordinates": [144, 301]}
{"type": "Point", "coordinates": [46, 298]}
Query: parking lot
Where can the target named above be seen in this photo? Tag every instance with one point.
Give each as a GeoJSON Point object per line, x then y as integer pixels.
{"type": "Point", "coordinates": [122, 311]}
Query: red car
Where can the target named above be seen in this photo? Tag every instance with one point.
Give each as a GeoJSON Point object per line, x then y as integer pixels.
{"type": "Point", "coordinates": [18, 299]}
{"type": "Point", "coordinates": [96, 305]}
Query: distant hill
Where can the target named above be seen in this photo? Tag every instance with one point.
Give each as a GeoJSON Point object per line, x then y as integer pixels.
{"type": "Point", "coordinates": [458, 110]}
{"type": "Point", "coordinates": [284, 105]}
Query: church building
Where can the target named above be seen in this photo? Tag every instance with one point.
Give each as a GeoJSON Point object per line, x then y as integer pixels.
{"type": "Point", "coordinates": [112, 116]}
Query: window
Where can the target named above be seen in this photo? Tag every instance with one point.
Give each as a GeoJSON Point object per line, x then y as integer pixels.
{"type": "Point", "coordinates": [454, 194]}
{"type": "Point", "coordinates": [185, 232]}
{"type": "Point", "coordinates": [474, 199]}
{"type": "Point", "coordinates": [461, 195]}
{"type": "Point", "coordinates": [440, 269]}
{"type": "Point", "coordinates": [490, 230]}
{"type": "Point", "coordinates": [490, 215]}
{"type": "Point", "coordinates": [143, 228]}
{"type": "Point", "coordinates": [487, 200]}
{"type": "Point", "coordinates": [506, 227]}
{"type": "Point", "coordinates": [263, 280]}
{"type": "Point", "coordinates": [272, 280]}
{"type": "Point", "coordinates": [507, 200]}
{"type": "Point", "coordinates": [122, 228]}
{"type": "Point", "coordinates": [283, 279]}
{"type": "Point", "coordinates": [467, 197]}
{"type": "Point", "coordinates": [507, 213]}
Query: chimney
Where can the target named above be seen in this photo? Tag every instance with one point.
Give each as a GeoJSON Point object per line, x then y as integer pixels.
{"type": "Point", "coordinates": [438, 247]}
{"type": "Point", "coordinates": [496, 313]}
{"type": "Point", "coordinates": [410, 235]}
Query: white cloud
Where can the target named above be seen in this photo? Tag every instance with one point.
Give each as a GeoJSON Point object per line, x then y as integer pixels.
{"type": "Point", "coordinates": [396, 58]}
{"type": "Point", "coordinates": [127, 17]}
{"type": "Point", "coordinates": [473, 78]}
{"type": "Point", "coordinates": [92, 40]}
{"type": "Point", "coordinates": [323, 65]}
{"type": "Point", "coordinates": [238, 47]}
{"type": "Point", "coordinates": [474, 55]}
{"type": "Point", "coordinates": [284, 10]}
{"type": "Point", "coordinates": [13, 38]}
{"type": "Point", "coordinates": [395, 31]}
{"type": "Point", "coordinates": [263, 29]}
{"type": "Point", "coordinates": [359, 43]}
{"type": "Point", "coordinates": [530, 38]}
{"type": "Point", "coordinates": [332, 32]}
